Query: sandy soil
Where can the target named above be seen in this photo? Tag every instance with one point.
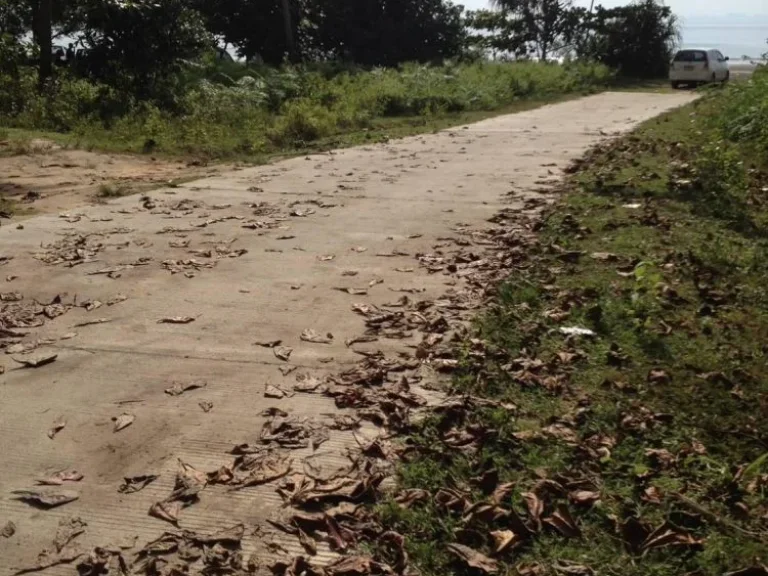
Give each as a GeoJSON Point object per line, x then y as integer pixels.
{"type": "Point", "coordinates": [373, 209]}
{"type": "Point", "coordinates": [52, 179]}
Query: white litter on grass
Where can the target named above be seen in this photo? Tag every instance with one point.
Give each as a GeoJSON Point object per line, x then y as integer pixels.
{"type": "Point", "coordinates": [634, 206]}
{"type": "Point", "coordinates": [576, 331]}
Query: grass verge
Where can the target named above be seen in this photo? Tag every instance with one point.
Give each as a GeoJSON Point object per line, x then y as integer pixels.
{"type": "Point", "coordinates": [252, 114]}
{"type": "Point", "coordinates": [641, 446]}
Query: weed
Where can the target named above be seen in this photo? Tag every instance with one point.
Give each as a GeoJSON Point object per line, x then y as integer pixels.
{"type": "Point", "coordinates": [113, 191]}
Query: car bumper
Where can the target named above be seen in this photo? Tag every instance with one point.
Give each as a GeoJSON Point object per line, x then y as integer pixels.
{"type": "Point", "coordinates": [695, 76]}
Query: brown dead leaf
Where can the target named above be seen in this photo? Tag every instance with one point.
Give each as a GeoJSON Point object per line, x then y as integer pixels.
{"type": "Point", "coordinates": [47, 498]}
{"type": "Point", "coordinates": [309, 335]}
{"type": "Point", "coordinates": [67, 531]}
{"type": "Point", "coordinates": [584, 497]}
{"type": "Point", "coordinates": [326, 257]}
{"type": "Point", "coordinates": [123, 421]}
{"type": "Point", "coordinates": [8, 530]}
{"type": "Point", "coordinates": [268, 343]}
{"type": "Point", "coordinates": [166, 510]}
{"type": "Point", "coordinates": [562, 521]}
{"type": "Point", "coordinates": [179, 388]}
{"type": "Point", "coordinates": [669, 535]}
{"type": "Point", "coordinates": [271, 391]}
{"type": "Point", "coordinates": [349, 273]}
{"type": "Point", "coordinates": [176, 320]}
{"type": "Point", "coordinates": [92, 322]}
{"type": "Point", "coordinates": [282, 352]}
{"type": "Point", "coordinates": [405, 269]}
{"type": "Point", "coordinates": [60, 477]}
{"type": "Point", "coordinates": [37, 361]}
{"type": "Point", "coordinates": [48, 560]}
{"type": "Point", "coordinates": [253, 470]}
{"type": "Point", "coordinates": [504, 540]}
{"type": "Point", "coordinates": [206, 406]}
{"type": "Point", "coordinates": [535, 507]}
{"type": "Point", "coordinates": [353, 291]}
{"type": "Point", "coordinates": [474, 559]}
{"type": "Point", "coordinates": [58, 426]}
{"type": "Point", "coordinates": [360, 340]}
{"type": "Point", "coordinates": [133, 484]}
{"type": "Point", "coordinates": [659, 376]}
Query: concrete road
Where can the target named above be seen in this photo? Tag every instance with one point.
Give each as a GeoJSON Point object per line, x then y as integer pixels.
{"type": "Point", "coordinates": [402, 197]}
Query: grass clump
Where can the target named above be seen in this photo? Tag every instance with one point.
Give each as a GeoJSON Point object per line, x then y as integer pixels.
{"type": "Point", "coordinates": [106, 191]}
{"type": "Point", "coordinates": [643, 448]}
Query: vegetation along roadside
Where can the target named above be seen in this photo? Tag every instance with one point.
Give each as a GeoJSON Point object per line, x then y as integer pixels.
{"type": "Point", "coordinates": [609, 413]}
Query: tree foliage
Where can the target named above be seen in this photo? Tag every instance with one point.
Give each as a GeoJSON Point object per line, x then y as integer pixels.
{"type": "Point", "coordinates": [638, 40]}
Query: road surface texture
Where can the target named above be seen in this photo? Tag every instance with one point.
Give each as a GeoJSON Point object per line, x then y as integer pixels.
{"type": "Point", "coordinates": [246, 256]}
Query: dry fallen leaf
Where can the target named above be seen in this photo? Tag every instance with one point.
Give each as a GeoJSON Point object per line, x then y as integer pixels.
{"type": "Point", "coordinates": [176, 320]}
{"type": "Point", "coordinates": [349, 273]}
{"type": "Point", "coordinates": [504, 540]}
{"type": "Point", "coordinates": [353, 291]}
{"type": "Point", "coordinates": [282, 352]}
{"type": "Point", "coordinates": [67, 531]}
{"type": "Point", "coordinates": [168, 511]}
{"type": "Point", "coordinates": [310, 335]}
{"type": "Point", "coordinates": [94, 321]}
{"type": "Point", "coordinates": [133, 484]}
{"type": "Point", "coordinates": [8, 530]}
{"type": "Point", "coordinates": [474, 559]}
{"type": "Point", "coordinates": [179, 388]}
{"type": "Point", "coordinates": [58, 426]}
{"type": "Point", "coordinates": [326, 258]}
{"type": "Point", "coordinates": [47, 498]}
{"type": "Point", "coordinates": [37, 361]}
{"type": "Point", "coordinates": [271, 391]}
{"type": "Point", "coordinates": [206, 406]}
{"type": "Point", "coordinates": [123, 421]}
{"type": "Point", "coordinates": [60, 477]}
{"type": "Point", "coordinates": [584, 497]}
{"type": "Point", "coordinates": [268, 343]}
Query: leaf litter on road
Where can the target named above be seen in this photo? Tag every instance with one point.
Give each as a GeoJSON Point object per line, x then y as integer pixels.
{"type": "Point", "coordinates": [310, 335]}
{"type": "Point", "coordinates": [179, 388]}
{"type": "Point", "coordinates": [133, 484]}
{"type": "Point", "coordinates": [123, 421]}
{"type": "Point", "coordinates": [176, 320]}
{"type": "Point", "coordinates": [57, 426]}
{"type": "Point", "coordinates": [46, 498]}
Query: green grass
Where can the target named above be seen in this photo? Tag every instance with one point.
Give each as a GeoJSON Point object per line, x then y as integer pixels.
{"type": "Point", "coordinates": [258, 113]}
{"type": "Point", "coordinates": [663, 413]}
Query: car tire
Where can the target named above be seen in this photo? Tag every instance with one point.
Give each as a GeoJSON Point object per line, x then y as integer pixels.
{"type": "Point", "coordinates": [675, 85]}
{"type": "Point", "coordinates": [727, 77]}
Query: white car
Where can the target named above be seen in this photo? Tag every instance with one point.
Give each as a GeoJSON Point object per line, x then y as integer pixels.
{"type": "Point", "coordinates": [693, 66]}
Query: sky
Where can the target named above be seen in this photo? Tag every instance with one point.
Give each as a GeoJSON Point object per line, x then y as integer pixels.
{"type": "Point", "coordinates": [688, 9]}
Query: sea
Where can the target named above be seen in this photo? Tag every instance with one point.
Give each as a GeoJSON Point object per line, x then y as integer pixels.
{"type": "Point", "coordinates": [734, 37]}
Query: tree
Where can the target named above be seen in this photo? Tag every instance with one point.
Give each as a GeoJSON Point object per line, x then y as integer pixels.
{"type": "Point", "coordinates": [137, 46]}
{"type": "Point", "coordinates": [638, 40]}
{"type": "Point", "coordinates": [268, 30]}
{"type": "Point", "coordinates": [522, 27]}
{"type": "Point", "coordinates": [385, 32]}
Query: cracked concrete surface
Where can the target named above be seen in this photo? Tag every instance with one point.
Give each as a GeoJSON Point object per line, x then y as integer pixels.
{"type": "Point", "coordinates": [402, 196]}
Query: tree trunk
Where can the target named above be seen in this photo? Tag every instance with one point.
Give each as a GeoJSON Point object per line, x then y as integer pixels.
{"type": "Point", "coordinates": [43, 36]}
{"type": "Point", "coordinates": [288, 26]}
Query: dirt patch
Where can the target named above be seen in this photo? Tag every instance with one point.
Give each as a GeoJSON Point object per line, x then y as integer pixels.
{"type": "Point", "coordinates": [47, 178]}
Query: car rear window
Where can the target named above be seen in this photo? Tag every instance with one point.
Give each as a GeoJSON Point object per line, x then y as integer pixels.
{"type": "Point", "coordinates": [691, 56]}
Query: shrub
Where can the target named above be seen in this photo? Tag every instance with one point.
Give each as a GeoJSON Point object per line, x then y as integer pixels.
{"type": "Point", "coordinates": [301, 122]}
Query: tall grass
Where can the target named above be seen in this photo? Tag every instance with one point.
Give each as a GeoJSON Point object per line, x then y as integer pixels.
{"type": "Point", "coordinates": [234, 110]}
